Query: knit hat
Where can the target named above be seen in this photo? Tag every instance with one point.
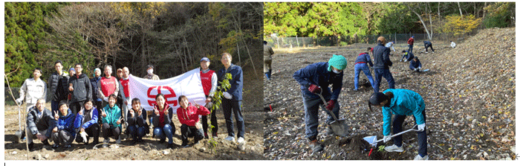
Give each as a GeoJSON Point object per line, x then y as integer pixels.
{"type": "Point", "coordinates": [337, 61]}
{"type": "Point", "coordinates": [376, 99]}
{"type": "Point", "coordinates": [72, 69]}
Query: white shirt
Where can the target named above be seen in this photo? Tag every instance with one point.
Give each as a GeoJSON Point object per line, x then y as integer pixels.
{"type": "Point", "coordinates": [390, 45]}
{"type": "Point", "coordinates": [453, 45]}
{"type": "Point", "coordinates": [33, 90]}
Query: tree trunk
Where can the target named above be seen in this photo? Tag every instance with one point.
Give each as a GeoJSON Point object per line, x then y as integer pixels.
{"type": "Point", "coordinates": [439, 10]}
{"type": "Point", "coordinates": [143, 51]}
{"type": "Point", "coordinates": [484, 14]}
{"type": "Point", "coordinates": [431, 25]}
{"type": "Point", "coordinates": [238, 52]}
{"type": "Point", "coordinates": [420, 18]}
{"type": "Point", "coordinates": [458, 3]}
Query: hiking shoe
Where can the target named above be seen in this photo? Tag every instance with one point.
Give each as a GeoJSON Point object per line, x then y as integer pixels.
{"type": "Point", "coordinates": [162, 140]}
{"type": "Point", "coordinates": [425, 52]}
{"type": "Point", "coordinates": [230, 138]}
{"type": "Point", "coordinates": [316, 146]}
{"type": "Point", "coordinates": [31, 147]}
{"type": "Point", "coordinates": [45, 142]}
{"type": "Point", "coordinates": [133, 142]}
{"type": "Point", "coordinates": [184, 144]}
{"type": "Point", "coordinates": [394, 148]}
{"type": "Point", "coordinates": [68, 146]}
{"type": "Point", "coordinates": [355, 89]}
{"type": "Point", "coordinates": [206, 136]}
{"type": "Point", "coordinates": [105, 142]}
{"type": "Point", "coordinates": [118, 140]}
{"type": "Point", "coordinates": [170, 146]}
{"type": "Point", "coordinates": [241, 140]}
{"type": "Point", "coordinates": [418, 157]}
{"type": "Point", "coordinates": [214, 134]}
{"type": "Point", "coordinates": [55, 146]}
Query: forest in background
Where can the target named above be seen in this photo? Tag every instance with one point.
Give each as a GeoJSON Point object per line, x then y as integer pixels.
{"type": "Point", "coordinates": [340, 19]}
{"type": "Point", "coordinates": [171, 36]}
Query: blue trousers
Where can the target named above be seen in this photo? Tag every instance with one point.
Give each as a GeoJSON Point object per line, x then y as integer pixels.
{"type": "Point", "coordinates": [410, 48]}
{"type": "Point", "coordinates": [54, 105]}
{"type": "Point", "coordinates": [421, 136]}
{"type": "Point", "coordinates": [362, 67]}
{"type": "Point", "coordinates": [388, 76]}
{"type": "Point", "coordinates": [136, 131]}
{"type": "Point", "coordinates": [311, 107]}
{"type": "Point", "coordinates": [166, 131]}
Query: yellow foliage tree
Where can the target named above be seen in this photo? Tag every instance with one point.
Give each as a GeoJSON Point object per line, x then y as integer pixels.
{"type": "Point", "coordinates": [458, 26]}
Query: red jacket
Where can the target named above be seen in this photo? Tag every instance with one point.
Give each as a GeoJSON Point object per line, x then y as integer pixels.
{"type": "Point", "coordinates": [190, 115]}
{"type": "Point", "coordinates": [410, 41]}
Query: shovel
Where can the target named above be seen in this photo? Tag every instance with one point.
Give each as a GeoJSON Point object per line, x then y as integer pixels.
{"type": "Point", "coordinates": [372, 139]}
{"type": "Point", "coordinates": [339, 127]}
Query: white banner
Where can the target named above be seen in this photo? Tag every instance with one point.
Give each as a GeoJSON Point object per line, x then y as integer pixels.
{"type": "Point", "coordinates": [187, 84]}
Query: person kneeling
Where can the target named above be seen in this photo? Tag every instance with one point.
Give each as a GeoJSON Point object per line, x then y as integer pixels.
{"type": "Point", "coordinates": [86, 123]}
{"type": "Point", "coordinates": [40, 122]}
{"type": "Point", "coordinates": [162, 120]}
{"type": "Point", "coordinates": [137, 121]}
{"type": "Point", "coordinates": [189, 117]}
{"type": "Point", "coordinates": [63, 133]}
{"type": "Point", "coordinates": [415, 64]}
{"type": "Point", "coordinates": [111, 117]}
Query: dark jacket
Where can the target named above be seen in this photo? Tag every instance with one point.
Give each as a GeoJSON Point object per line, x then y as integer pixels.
{"type": "Point", "coordinates": [45, 122]}
{"type": "Point", "coordinates": [167, 118]}
{"type": "Point", "coordinates": [66, 123]}
{"type": "Point", "coordinates": [89, 118]}
{"type": "Point", "coordinates": [427, 43]}
{"type": "Point", "coordinates": [93, 82]}
{"type": "Point", "coordinates": [381, 58]}
{"type": "Point", "coordinates": [53, 82]}
{"type": "Point", "coordinates": [414, 65]}
{"type": "Point", "coordinates": [138, 120]}
{"type": "Point", "coordinates": [237, 81]}
{"type": "Point", "coordinates": [363, 58]}
{"type": "Point", "coordinates": [63, 89]}
{"type": "Point", "coordinates": [318, 74]}
{"type": "Point", "coordinates": [409, 56]}
{"type": "Point", "coordinates": [82, 88]}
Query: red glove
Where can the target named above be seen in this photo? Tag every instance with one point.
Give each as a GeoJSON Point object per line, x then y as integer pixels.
{"type": "Point", "coordinates": [314, 88]}
{"type": "Point", "coordinates": [330, 105]}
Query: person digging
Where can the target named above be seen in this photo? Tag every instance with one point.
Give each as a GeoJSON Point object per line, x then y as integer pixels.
{"type": "Point", "coordinates": [401, 103]}
{"type": "Point", "coordinates": [311, 78]}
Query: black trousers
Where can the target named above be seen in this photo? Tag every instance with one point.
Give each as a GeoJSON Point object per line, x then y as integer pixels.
{"type": "Point", "coordinates": [76, 106]}
{"type": "Point", "coordinates": [231, 107]}
{"type": "Point", "coordinates": [107, 131]}
{"type": "Point", "coordinates": [92, 131]}
{"type": "Point", "coordinates": [213, 122]}
{"type": "Point", "coordinates": [191, 131]}
{"type": "Point", "coordinates": [421, 135]}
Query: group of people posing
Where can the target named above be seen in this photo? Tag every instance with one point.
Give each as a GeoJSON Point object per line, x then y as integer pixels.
{"type": "Point", "coordinates": [82, 108]}
{"type": "Point", "coordinates": [315, 79]}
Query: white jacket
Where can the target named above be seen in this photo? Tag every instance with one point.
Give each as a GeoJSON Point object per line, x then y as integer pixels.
{"type": "Point", "coordinates": [453, 45]}
{"type": "Point", "coordinates": [33, 90]}
{"type": "Point", "coordinates": [390, 45]}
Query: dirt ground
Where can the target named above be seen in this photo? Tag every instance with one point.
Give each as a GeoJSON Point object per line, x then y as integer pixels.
{"type": "Point", "coordinates": [151, 149]}
{"type": "Point", "coordinates": [469, 95]}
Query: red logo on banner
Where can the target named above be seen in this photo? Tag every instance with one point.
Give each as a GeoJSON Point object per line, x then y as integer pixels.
{"type": "Point", "coordinates": [166, 96]}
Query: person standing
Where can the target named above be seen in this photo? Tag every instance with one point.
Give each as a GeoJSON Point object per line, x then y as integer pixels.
{"type": "Point", "coordinates": [268, 59]}
{"type": "Point", "coordinates": [232, 101]}
{"type": "Point", "coordinates": [209, 81]}
{"type": "Point", "coordinates": [361, 65]}
{"type": "Point", "coordinates": [81, 89]}
{"type": "Point", "coordinates": [381, 64]}
{"type": "Point", "coordinates": [124, 91]}
{"type": "Point", "coordinates": [315, 79]}
{"type": "Point", "coordinates": [410, 44]}
{"type": "Point", "coordinates": [54, 81]}
{"type": "Point", "coordinates": [401, 103]}
{"type": "Point", "coordinates": [98, 102]}
{"type": "Point", "coordinates": [428, 44]}
{"type": "Point", "coordinates": [107, 85]}
{"type": "Point", "coordinates": [150, 76]}
{"type": "Point", "coordinates": [390, 45]}
{"type": "Point", "coordinates": [40, 123]}
{"type": "Point", "coordinates": [32, 89]}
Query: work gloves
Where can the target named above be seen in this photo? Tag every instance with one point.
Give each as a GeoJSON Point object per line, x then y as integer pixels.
{"type": "Point", "coordinates": [314, 88]}
{"type": "Point", "coordinates": [84, 136]}
{"type": "Point", "coordinates": [387, 138]}
{"type": "Point", "coordinates": [227, 95]}
{"type": "Point", "coordinates": [330, 105]}
{"type": "Point", "coordinates": [421, 127]}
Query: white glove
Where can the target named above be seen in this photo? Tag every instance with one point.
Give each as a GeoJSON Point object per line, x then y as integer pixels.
{"type": "Point", "coordinates": [19, 101]}
{"type": "Point", "coordinates": [387, 138]}
{"type": "Point", "coordinates": [421, 127]}
{"type": "Point", "coordinates": [419, 68]}
{"type": "Point", "coordinates": [227, 95]}
{"type": "Point", "coordinates": [84, 136]}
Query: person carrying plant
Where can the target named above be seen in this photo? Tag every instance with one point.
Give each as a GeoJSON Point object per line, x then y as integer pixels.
{"type": "Point", "coordinates": [80, 89]}
{"type": "Point", "coordinates": [408, 55]}
{"type": "Point", "coordinates": [232, 98]}
{"type": "Point", "coordinates": [63, 132]}
{"type": "Point", "coordinates": [162, 120]}
{"type": "Point", "coordinates": [415, 64]}
{"type": "Point", "coordinates": [189, 117]}
{"type": "Point", "coordinates": [381, 64]}
{"type": "Point", "coordinates": [268, 59]}
{"type": "Point", "coordinates": [86, 123]}
{"type": "Point", "coordinates": [40, 122]}
{"type": "Point", "coordinates": [111, 117]}
{"type": "Point", "coordinates": [361, 65]}
{"type": "Point", "coordinates": [401, 103]}
{"type": "Point", "coordinates": [428, 44]}
{"type": "Point", "coordinates": [410, 44]}
{"type": "Point", "coordinates": [315, 79]}
{"type": "Point", "coordinates": [32, 89]}
{"type": "Point", "coordinates": [137, 124]}
{"type": "Point", "coordinates": [209, 81]}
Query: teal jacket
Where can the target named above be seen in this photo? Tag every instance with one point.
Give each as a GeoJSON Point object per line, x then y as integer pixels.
{"type": "Point", "coordinates": [405, 102]}
{"type": "Point", "coordinates": [113, 114]}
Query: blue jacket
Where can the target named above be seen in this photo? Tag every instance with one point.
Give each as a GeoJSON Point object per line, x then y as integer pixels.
{"type": "Point", "coordinates": [381, 57]}
{"type": "Point", "coordinates": [237, 81]}
{"type": "Point", "coordinates": [318, 74]}
{"type": "Point", "coordinates": [427, 43]}
{"type": "Point", "coordinates": [94, 82]}
{"type": "Point", "coordinates": [78, 122]}
{"type": "Point", "coordinates": [405, 102]}
{"type": "Point", "coordinates": [363, 58]}
{"type": "Point", "coordinates": [409, 55]}
{"type": "Point", "coordinates": [66, 123]}
{"type": "Point", "coordinates": [414, 64]}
